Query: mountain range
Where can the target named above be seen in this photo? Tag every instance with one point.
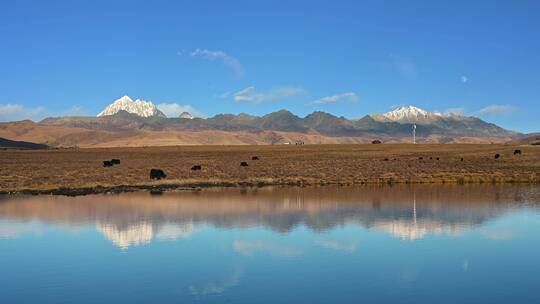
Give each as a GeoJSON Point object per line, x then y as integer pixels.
{"type": "Point", "coordinates": [138, 123]}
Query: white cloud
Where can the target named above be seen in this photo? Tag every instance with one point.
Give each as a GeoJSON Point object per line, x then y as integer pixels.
{"type": "Point", "coordinates": [455, 111]}
{"type": "Point", "coordinates": [340, 246]}
{"type": "Point", "coordinates": [465, 265]}
{"type": "Point", "coordinates": [174, 109]}
{"type": "Point", "coordinates": [249, 248]}
{"type": "Point", "coordinates": [224, 95]}
{"type": "Point", "coordinates": [15, 229]}
{"type": "Point", "coordinates": [173, 232]}
{"type": "Point", "coordinates": [229, 61]}
{"type": "Point", "coordinates": [464, 79]}
{"type": "Point", "coordinates": [15, 112]}
{"type": "Point", "coordinates": [497, 235]}
{"type": "Point", "coordinates": [217, 287]}
{"type": "Point", "coordinates": [74, 111]}
{"type": "Point", "coordinates": [404, 65]}
{"type": "Point", "coordinates": [349, 96]}
{"type": "Point", "coordinates": [250, 94]}
{"type": "Point", "coordinates": [494, 110]}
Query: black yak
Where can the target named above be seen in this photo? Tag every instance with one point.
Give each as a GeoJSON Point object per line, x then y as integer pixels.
{"type": "Point", "coordinates": [497, 156]}
{"type": "Point", "coordinates": [115, 161]}
{"type": "Point", "coordinates": [196, 167]}
{"type": "Point", "coordinates": [517, 152]}
{"type": "Point", "coordinates": [254, 158]}
{"type": "Point", "coordinates": [107, 163]}
{"type": "Point", "coordinates": [157, 174]}
{"type": "Point", "coordinates": [243, 164]}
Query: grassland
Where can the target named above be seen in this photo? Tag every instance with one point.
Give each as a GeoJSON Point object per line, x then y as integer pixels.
{"type": "Point", "coordinates": [80, 171]}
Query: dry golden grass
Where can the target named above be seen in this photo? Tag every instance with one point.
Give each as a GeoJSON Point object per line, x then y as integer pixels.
{"type": "Point", "coordinates": [278, 165]}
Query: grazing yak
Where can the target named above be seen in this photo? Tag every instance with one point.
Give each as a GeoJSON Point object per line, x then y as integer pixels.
{"type": "Point", "coordinates": [157, 174]}
{"type": "Point", "coordinates": [517, 152]}
{"type": "Point", "coordinates": [110, 163]}
{"type": "Point", "coordinates": [243, 164]}
{"type": "Point", "coordinates": [254, 158]}
{"type": "Point", "coordinates": [497, 156]}
{"type": "Point", "coordinates": [196, 167]}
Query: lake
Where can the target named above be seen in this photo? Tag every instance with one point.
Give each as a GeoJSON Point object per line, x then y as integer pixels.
{"type": "Point", "coordinates": [390, 244]}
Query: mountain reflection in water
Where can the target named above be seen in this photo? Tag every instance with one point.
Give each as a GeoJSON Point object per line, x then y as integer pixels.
{"type": "Point", "coordinates": [405, 212]}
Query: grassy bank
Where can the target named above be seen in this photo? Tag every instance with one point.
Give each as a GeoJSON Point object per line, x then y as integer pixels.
{"type": "Point", "coordinates": [82, 172]}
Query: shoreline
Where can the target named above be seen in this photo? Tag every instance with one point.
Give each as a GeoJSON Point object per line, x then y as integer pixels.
{"type": "Point", "coordinates": [171, 187]}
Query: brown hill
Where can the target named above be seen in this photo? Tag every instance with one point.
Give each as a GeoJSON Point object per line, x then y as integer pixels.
{"type": "Point", "coordinates": [529, 139]}
{"type": "Point", "coordinates": [84, 137]}
{"type": "Point", "coordinates": [27, 130]}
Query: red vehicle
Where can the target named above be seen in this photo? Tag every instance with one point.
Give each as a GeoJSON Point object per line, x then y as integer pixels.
{"type": "Point", "coordinates": [376, 142]}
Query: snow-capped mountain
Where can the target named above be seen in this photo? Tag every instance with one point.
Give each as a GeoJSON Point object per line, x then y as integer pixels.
{"type": "Point", "coordinates": [186, 115]}
{"type": "Point", "coordinates": [394, 125]}
{"type": "Point", "coordinates": [409, 114]}
{"type": "Point", "coordinates": [138, 107]}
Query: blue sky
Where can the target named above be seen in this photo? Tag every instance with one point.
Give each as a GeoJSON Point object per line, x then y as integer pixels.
{"type": "Point", "coordinates": [348, 58]}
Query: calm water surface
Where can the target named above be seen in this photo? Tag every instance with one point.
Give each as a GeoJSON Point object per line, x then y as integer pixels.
{"type": "Point", "coordinates": [401, 244]}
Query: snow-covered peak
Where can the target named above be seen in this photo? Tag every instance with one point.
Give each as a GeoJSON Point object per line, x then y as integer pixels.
{"type": "Point", "coordinates": [138, 107]}
{"type": "Point", "coordinates": [409, 114]}
{"type": "Point", "coordinates": [186, 115]}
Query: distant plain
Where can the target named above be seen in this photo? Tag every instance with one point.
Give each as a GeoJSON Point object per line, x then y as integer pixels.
{"type": "Point", "coordinates": [46, 170]}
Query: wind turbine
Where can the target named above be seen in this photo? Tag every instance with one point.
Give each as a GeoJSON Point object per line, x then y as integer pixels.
{"type": "Point", "coordinates": [414, 134]}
